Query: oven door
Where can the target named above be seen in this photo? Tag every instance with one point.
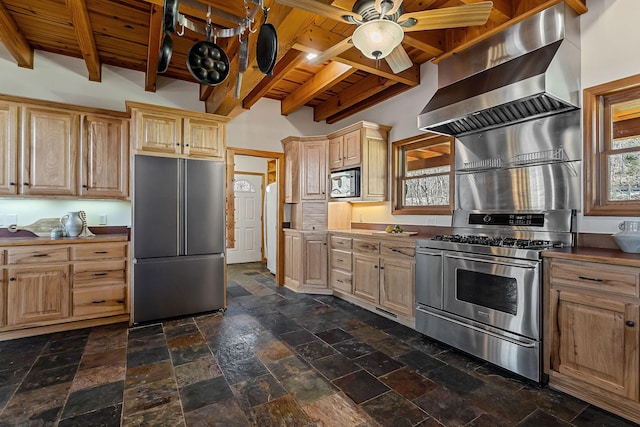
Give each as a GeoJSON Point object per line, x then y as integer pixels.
{"type": "Point", "coordinates": [500, 292]}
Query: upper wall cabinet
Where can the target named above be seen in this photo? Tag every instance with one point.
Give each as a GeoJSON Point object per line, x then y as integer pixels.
{"type": "Point", "coordinates": [305, 169]}
{"type": "Point", "coordinates": [104, 154]}
{"type": "Point", "coordinates": [50, 149]}
{"type": "Point", "coordinates": [363, 145]}
{"type": "Point", "coordinates": [173, 132]}
{"type": "Point", "coordinates": [8, 149]}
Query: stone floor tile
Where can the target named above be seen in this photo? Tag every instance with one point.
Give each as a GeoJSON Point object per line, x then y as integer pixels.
{"type": "Point", "coordinates": [91, 399]}
{"type": "Point", "coordinates": [150, 396]}
{"type": "Point", "coordinates": [408, 383]}
{"type": "Point", "coordinates": [447, 407]}
{"type": "Point", "coordinates": [288, 367]}
{"type": "Point", "coordinates": [104, 417]}
{"type": "Point", "coordinates": [147, 374]}
{"type": "Point", "coordinates": [392, 410]}
{"type": "Point", "coordinates": [378, 363]}
{"type": "Point", "coordinates": [457, 381]}
{"type": "Point", "coordinates": [147, 356]}
{"type": "Point", "coordinates": [314, 350]}
{"type": "Point", "coordinates": [226, 413]}
{"type": "Point", "coordinates": [273, 351]}
{"type": "Point", "coordinates": [335, 366]}
{"type": "Point", "coordinates": [258, 391]}
{"type": "Point", "coordinates": [198, 370]}
{"type": "Point", "coordinates": [88, 378]}
{"type": "Point", "coordinates": [168, 414]}
{"type": "Point", "coordinates": [353, 348]}
{"type": "Point", "coordinates": [332, 336]}
{"type": "Point", "coordinates": [541, 418]}
{"type": "Point", "coordinates": [182, 355]}
{"type": "Point", "coordinates": [243, 370]}
{"type": "Point", "coordinates": [421, 362]}
{"type": "Point", "coordinates": [203, 393]}
{"type": "Point", "coordinates": [114, 357]}
{"type": "Point", "coordinates": [308, 387]}
{"type": "Point", "coordinates": [282, 412]}
{"type": "Point", "coordinates": [597, 417]}
{"type": "Point", "coordinates": [298, 337]}
{"type": "Point", "coordinates": [337, 410]}
{"type": "Point", "coordinates": [361, 386]}
{"type": "Point", "coordinates": [35, 404]}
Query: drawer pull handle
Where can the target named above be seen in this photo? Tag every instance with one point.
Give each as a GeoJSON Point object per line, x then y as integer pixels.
{"type": "Point", "coordinates": [99, 274]}
{"type": "Point", "coordinates": [339, 260]}
{"type": "Point", "coordinates": [100, 252]}
{"type": "Point", "coordinates": [590, 279]}
{"type": "Point", "coordinates": [120, 301]}
{"type": "Point", "coordinates": [39, 255]}
{"type": "Point", "coordinates": [630, 323]}
{"type": "Point", "coordinates": [12, 279]}
{"type": "Point", "coordinates": [338, 280]}
{"type": "Point", "coordinates": [99, 302]}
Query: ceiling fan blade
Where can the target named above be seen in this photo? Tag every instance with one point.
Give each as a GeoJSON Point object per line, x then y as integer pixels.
{"type": "Point", "coordinates": [394, 9]}
{"type": "Point", "coordinates": [449, 17]}
{"type": "Point", "coordinates": [332, 52]}
{"type": "Point", "coordinates": [398, 60]}
{"type": "Point", "coordinates": [325, 10]}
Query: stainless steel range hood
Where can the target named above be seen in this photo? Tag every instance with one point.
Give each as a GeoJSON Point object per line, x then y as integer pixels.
{"type": "Point", "coordinates": [530, 70]}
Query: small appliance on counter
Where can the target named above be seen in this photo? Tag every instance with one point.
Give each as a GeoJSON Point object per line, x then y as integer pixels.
{"type": "Point", "coordinates": [628, 239]}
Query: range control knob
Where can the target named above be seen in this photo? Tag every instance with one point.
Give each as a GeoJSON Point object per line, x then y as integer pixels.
{"type": "Point", "coordinates": [486, 219]}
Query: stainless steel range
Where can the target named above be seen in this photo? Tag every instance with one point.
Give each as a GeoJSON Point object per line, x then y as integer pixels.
{"type": "Point", "coordinates": [479, 289]}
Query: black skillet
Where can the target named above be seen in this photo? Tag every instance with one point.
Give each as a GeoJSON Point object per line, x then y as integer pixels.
{"type": "Point", "coordinates": [170, 16]}
{"type": "Point", "coordinates": [267, 46]}
{"type": "Point", "coordinates": [165, 53]}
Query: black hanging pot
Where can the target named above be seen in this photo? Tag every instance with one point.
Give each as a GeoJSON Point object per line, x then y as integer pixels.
{"type": "Point", "coordinates": [267, 46]}
{"type": "Point", "coordinates": [165, 53]}
{"type": "Point", "coordinates": [208, 63]}
{"type": "Point", "coordinates": [170, 16]}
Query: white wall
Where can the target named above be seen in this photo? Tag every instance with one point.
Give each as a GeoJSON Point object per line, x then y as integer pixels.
{"type": "Point", "coordinates": [250, 164]}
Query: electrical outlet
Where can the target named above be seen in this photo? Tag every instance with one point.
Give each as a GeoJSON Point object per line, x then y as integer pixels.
{"type": "Point", "coordinates": [361, 218]}
{"type": "Point", "coordinates": [102, 219]}
{"type": "Point", "coordinates": [2, 220]}
{"type": "Point", "coordinates": [10, 219]}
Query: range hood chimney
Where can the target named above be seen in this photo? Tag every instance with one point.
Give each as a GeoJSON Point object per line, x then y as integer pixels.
{"type": "Point", "coordinates": [529, 70]}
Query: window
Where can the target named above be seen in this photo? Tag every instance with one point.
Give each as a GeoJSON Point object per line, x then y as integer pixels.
{"type": "Point", "coordinates": [423, 175]}
{"type": "Point", "coordinates": [612, 148]}
{"type": "Point", "coordinates": [243, 186]}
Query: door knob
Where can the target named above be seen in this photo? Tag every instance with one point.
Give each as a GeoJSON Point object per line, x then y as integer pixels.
{"type": "Point", "coordinates": [630, 323]}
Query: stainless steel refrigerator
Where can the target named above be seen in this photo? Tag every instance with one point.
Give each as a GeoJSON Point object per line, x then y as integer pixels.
{"type": "Point", "coordinates": [178, 237]}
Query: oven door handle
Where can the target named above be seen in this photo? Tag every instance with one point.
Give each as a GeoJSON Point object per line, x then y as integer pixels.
{"type": "Point", "coordinates": [488, 261]}
{"type": "Point", "coordinates": [424, 251]}
{"type": "Point", "coordinates": [475, 328]}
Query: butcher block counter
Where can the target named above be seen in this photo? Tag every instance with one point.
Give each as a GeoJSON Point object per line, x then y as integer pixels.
{"type": "Point", "coordinates": [49, 285]}
{"type": "Point", "coordinates": [592, 326]}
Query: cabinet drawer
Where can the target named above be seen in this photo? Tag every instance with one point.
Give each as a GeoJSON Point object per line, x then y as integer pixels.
{"type": "Point", "coordinates": [37, 254]}
{"type": "Point", "coordinates": [401, 249]}
{"type": "Point", "coordinates": [340, 259]}
{"type": "Point", "coordinates": [366, 246]}
{"type": "Point", "coordinates": [1, 256]}
{"type": "Point", "coordinates": [341, 281]}
{"type": "Point", "coordinates": [341, 242]}
{"type": "Point", "coordinates": [99, 300]}
{"type": "Point", "coordinates": [601, 277]}
{"type": "Point", "coordinates": [90, 251]}
{"type": "Point", "coordinates": [98, 273]}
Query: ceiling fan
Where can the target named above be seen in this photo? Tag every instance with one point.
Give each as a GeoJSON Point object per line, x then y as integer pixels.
{"type": "Point", "coordinates": [381, 25]}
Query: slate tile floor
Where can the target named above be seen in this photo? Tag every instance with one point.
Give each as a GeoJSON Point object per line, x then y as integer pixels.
{"type": "Point", "coordinates": [275, 358]}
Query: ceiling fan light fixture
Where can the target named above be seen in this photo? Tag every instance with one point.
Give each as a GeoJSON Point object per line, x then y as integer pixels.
{"type": "Point", "coordinates": [377, 39]}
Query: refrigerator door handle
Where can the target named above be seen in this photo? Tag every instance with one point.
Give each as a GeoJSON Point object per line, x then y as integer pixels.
{"type": "Point", "coordinates": [182, 214]}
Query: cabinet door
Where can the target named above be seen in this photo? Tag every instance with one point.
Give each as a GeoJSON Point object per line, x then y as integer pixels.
{"type": "Point", "coordinates": [314, 171]}
{"type": "Point", "coordinates": [291, 172]}
{"type": "Point", "coordinates": [315, 268]}
{"type": "Point", "coordinates": [595, 341]}
{"type": "Point", "coordinates": [397, 285]}
{"type": "Point", "coordinates": [366, 282]}
{"type": "Point", "coordinates": [8, 149]}
{"type": "Point", "coordinates": [104, 165]}
{"type": "Point", "coordinates": [203, 138]}
{"type": "Point", "coordinates": [352, 144]}
{"type": "Point", "coordinates": [157, 132]}
{"type": "Point", "coordinates": [292, 258]}
{"type": "Point", "coordinates": [335, 152]}
{"type": "Point", "coordinates": [374, 170]}
{"type": "Point", "coordinates": [49, 152]}
{"type": "Point", "coordinates": [38, 293]}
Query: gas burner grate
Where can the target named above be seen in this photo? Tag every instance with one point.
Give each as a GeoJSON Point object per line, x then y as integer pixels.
{"type": "Point", "coordinates": [506, 242]}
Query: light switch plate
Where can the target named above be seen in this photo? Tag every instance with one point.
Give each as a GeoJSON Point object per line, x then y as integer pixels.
{"type": "Point", "coordinates": [2, 220]}
{"type": "Point", "coordinates": [102, 219]}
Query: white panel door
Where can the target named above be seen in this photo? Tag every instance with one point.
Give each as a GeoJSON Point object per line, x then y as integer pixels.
{"type": "Point", "coordinates": [248, 219]}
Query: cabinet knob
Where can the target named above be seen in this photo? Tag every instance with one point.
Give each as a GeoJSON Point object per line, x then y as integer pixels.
{"type": "Point", "coordinates": [85, 186]}
{"type": "Point", "coordinates": [25, 183]}
{"type": "Point", "coordinates": [12, 183]}
{"type": "Point", "coordinates": [177, 144]}
{"type": "Point", "coordinates": [12, 279]}
{"type": "Point", "coordinates": [630, 323]}
{"type": "Point", "coordinates": [186, 145]}
{"type": "Point", "coordinates": [382, 267]}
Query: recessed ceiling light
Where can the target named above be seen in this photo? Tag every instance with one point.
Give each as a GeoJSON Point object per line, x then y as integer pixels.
{"type": "Point", "coordinates": [310, 56]}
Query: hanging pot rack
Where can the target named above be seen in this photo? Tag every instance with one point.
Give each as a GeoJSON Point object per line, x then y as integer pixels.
{"type": "Point", "coordinates": [243, 23]}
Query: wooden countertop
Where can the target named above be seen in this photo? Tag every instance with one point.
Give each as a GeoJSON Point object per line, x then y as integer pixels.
{"type": "Point", "coordinates": [582, 253]}
{"type": "Point", "coordinates": [28, 241]}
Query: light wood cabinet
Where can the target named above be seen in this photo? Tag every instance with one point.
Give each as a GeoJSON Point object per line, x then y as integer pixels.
{"type": "Point", "coordinates": [272, 171]}
{"type": "Point", "coordinates": [58, 286]}
{"type": "Point", "coordinates": [174, 132]}
{"type": "Point", "coordinates": [592, 328]}
{"type": "Point", "coordinates": [344, 150]}
{"type": "Point", "coordinates": [363, 145]}
{"type": "Point", "coordinates": [104, 157]}
{"type": "Point", "coordinates": [377, 274]}
{"type": "Point", "coordinates": [305, 267]}
{"type": "Point", "coordinates": [305, 169]}
{"type": "Point", "coordinates": [49, 151]}
{"type": "Point", "coordinates": [8, 149]}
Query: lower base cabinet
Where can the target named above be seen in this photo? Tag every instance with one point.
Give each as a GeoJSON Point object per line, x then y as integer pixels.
{"type": "Point", "coordinates": [593, 331]}
{"type": "Point", "coordinates": [305, 261]}
{"type": "Point", "coordinates": [61, 286]}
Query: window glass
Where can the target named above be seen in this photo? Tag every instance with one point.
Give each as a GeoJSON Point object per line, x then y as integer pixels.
{"type": "Point", "coordinates": [422, 173]}
{"type": "Point", "coordinates": [243, 186]}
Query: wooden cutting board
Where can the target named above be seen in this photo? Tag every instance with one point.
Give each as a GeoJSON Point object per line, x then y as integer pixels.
{"type": "Point", "coordinates": [404, 233]}
{"type": "Point", "coordinates": [41, 227]}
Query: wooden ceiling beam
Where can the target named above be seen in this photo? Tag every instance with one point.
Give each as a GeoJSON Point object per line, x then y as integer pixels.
{"type": "Point", "coordinates": [365, 88]}
{"type": "Point", "coordinates": [14, 40]}
{"type": "Point", "coordinates": [502, 10]}
{"type": "Point", "coordinates": [389, 92]}
{"type": "Point", "coordinates": [323, 80]}
{"type": "Point", "coordinates": [84, 35]}
{"type": "Point", "coordinates": [580, 6]}
{"type": "Point", "coordinates": [430, 42]}
{"type": "Point", "coordinates": [288, 23]}
{"type": "Point", "coordinates": [153, 48]}
{"type": "Point", "coordinates": [289, 61]}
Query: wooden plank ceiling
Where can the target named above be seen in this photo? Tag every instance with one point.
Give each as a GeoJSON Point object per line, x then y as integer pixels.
{"type": "Point", "coordinates": [128, 34]}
